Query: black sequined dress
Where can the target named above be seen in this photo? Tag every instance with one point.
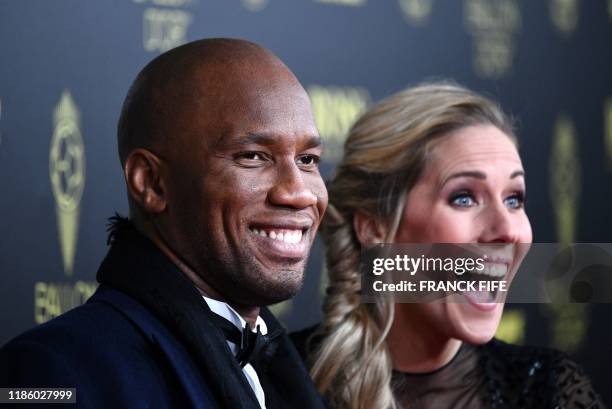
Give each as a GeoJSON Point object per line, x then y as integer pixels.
{"type": "Point", "coordinates": [495, 375]}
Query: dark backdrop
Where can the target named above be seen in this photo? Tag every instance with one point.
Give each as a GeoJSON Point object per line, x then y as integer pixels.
{"type": "Point", "coordinates": [65, 66]}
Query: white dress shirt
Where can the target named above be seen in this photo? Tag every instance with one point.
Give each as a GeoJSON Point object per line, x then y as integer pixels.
{"type": "Point", "coordinates": [227, 312]}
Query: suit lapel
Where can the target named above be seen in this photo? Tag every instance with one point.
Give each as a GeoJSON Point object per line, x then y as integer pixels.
{"type": "Point", "coordinates": [183, 366]}
{"type": "Point", "coordinates": [137, 268]}
{"type": "Point", "coordinates": [286, 380]}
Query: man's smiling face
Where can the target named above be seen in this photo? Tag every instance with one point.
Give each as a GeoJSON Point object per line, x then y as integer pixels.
{"type": "Point", "coordinates": [245, 193]}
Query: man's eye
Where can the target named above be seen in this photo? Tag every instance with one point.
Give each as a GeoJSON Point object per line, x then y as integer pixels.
{"type": "Point", "coordinates": [515, 201]}
{"type": "Point", "coordinates": [250, 159]}
{"type": "Point", "coordinates": [251, 156]}
{"type": "Point", "coordinates": [462, 199]}
{"type": "Point", "coordinates": [309, 160]}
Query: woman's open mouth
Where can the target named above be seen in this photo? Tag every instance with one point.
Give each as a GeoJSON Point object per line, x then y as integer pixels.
{"type": "Point", "coordinates": [488, 285]}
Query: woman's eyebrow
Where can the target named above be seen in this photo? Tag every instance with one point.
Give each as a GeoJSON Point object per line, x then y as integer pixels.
{"type": "Point", "coordinates": [479, 175]}
{"type": "Point", "coordinates": [467, 173]}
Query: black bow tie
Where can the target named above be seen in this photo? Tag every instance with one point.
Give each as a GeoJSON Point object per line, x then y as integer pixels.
{"type": "Point", "coordinates": [252, 346]}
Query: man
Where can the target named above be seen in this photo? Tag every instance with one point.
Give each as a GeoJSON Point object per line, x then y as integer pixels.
{"type": "Point", "coordinates": [219, 152]}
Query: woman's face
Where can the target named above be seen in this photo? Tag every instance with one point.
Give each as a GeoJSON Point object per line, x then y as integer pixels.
{"type": "Point", "coordinates": [472, 191]}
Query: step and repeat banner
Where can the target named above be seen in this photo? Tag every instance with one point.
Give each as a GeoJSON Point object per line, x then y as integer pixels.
{"type": "Point", "coordinates": [65, 66]}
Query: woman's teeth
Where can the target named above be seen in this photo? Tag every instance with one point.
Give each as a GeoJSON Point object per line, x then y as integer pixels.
{"type": "Point", "coordinates": [288, 236]}
{"type": "Point", "coordinates": [480, 296]}
{"type": "Point", "coordinates": [493, 270]}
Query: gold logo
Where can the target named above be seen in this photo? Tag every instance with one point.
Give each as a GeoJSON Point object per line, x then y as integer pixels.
{"type": "Point", "coordinates": [568, 325]}
{"type": "Point", "coordinates": [255, 5]}
{"type": "Point", "coordinates": [416, 11]}
{"type": "Point", "coordinates": [564, 15]}
{"type": "Point", "coordinates": [335, 109]}
{"type": "Point", "coordinates": [164, 29]}
{"type": "Point", "coordinates": [492, 24]}
{"type": "Point", "coordinates": [167, 3]}
{"type": "Point", "coordinates": [565, 178]}
{"type": "Point", "coordinates": [608, 130]}
{"type": "Point", "coordinates": [67, 171]}
{"type": "Point", "coordinates": [282, 309]}
{"type": "Point", "coordinates": [54, 299]}
{"type": "Point", "coordinates": [512, 327]}
{"type": "Point", "coordinates": [348, 3]}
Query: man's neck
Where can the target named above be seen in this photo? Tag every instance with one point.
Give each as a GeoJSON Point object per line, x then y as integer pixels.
{"type": "Point", "coordinates": [249, 314]}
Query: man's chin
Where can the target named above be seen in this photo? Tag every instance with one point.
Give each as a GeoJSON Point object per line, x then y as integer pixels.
{"type": "Point", "coordinates": [270, 288]}
{"type": "Point", "coordinates": [281, 290]}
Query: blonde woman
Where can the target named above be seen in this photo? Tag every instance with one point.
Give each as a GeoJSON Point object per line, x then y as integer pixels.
{"type": "Point", "coordinates": [437, 163]}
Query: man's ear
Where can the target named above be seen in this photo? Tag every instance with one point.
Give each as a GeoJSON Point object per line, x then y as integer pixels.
{"type": "Point", "coordinates": [143, 177]}
{"type": "Point", "coordinates": [369, 229]}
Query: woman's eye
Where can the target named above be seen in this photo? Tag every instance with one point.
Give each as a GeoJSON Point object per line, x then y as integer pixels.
{"type": "Point", "coordinates": [463, 199]}
{"type": "Point", "coordinates": [515, 201]}
{"type": "Point", "coordinates": [309, 160]}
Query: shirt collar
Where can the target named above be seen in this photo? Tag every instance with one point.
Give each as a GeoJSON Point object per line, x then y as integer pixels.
{"type": "Point", "coordinates": [230, 314]}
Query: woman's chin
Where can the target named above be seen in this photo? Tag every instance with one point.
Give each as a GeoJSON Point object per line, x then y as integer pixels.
{"type": "Point", "coordinates": [477, 338]}
{"type": "Point", "coordinates": [475, 326]}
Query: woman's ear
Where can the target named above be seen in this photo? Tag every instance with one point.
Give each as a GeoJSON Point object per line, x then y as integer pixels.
{"type": "Point", "coordinates": [144, 181]}
{"type": "Point", "coordinates": [369, 229]}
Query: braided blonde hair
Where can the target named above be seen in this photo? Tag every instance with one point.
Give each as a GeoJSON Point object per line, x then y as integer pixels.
{"type": "Point", "coordinates": [384, 156]}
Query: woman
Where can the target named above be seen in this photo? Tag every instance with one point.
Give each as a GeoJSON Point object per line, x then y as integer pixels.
{"type": "Point", "coordinates": [432, 164]}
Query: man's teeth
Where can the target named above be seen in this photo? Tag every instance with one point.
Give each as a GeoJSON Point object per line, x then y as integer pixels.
{"type": "Point", "coordinates": [288, 236]}
{"type": "Point", "coordinates": [493, 270]}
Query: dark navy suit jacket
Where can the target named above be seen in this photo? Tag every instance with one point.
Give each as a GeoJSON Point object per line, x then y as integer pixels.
{"type": "Point", "coordinates": [113, 351]}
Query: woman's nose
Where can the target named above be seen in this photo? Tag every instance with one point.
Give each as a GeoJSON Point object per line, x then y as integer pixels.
{"type": "Point", "coordinates": [500, 225]}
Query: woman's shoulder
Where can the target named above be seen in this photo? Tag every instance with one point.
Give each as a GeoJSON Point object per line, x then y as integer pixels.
{"type": "Point", "coordinates": [537, 375]}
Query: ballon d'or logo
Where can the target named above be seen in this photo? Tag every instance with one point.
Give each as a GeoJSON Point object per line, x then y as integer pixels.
{"type": "Point", "coordinates": [255, 5]}
{"type": "Point", "coordinates": [67, 171]}
{"type": "Point", "coordinates": [565, 177]}
{"type": "Point", "coordinates": [416, 11]}
{"type": "Point", "coordinates": [564, 15]}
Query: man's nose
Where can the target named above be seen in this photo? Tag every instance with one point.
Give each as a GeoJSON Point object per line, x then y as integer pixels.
{"type": "Point", "coordinates": [499, 226]}
{"type": "Point", "coordinates": [289, 188]}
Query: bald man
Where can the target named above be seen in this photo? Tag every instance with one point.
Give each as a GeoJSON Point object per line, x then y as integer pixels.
{"type": "Point", "coordinates": [220, 157]}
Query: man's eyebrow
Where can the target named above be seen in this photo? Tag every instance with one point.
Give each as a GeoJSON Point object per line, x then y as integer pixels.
{"type": "Point", "coordinates": [257, 139]}
{"type": "Point", "coordinates": [479, 175]}
{"type": "Point", "coordinates": [312, 141]}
